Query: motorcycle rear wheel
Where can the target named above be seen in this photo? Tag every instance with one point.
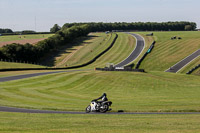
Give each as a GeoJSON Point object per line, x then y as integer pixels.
{"type": "Point", "coordinates": [104, 108]}
{"type": "Point", "coordinates": [88, 109]}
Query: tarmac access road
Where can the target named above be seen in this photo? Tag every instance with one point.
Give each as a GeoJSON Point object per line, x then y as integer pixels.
{"type": "Point", "coordinates": [178, 66]}
{"type": "Point", "coordinates": [10, 78]}
{"type": "Point", "coordinates": [140, 44]}
{"type": "Point", "coordinates": [21, 110]}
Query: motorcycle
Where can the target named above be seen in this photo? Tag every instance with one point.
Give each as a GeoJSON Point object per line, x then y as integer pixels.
{"type": "Point", "coordinates": [96, 106]}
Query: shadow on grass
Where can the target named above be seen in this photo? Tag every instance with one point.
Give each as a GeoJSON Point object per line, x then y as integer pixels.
{"type": "Point", "coordinates": [50, 58]}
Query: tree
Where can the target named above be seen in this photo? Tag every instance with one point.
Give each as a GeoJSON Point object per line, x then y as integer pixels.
{"type": "Point", "coordinates": [188, 27]}
{"type": "Point", "coordinates": [28, 32]}
{"type": "Point", "coordinates": [55, 28]}
{"type": "Point", "coordinates": [6, 31]}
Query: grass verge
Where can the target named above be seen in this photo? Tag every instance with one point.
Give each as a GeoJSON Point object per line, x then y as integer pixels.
{"type": "Point", "coordinates": [7, 65]}
{"type": "Point", "coordinates": [53, 123]}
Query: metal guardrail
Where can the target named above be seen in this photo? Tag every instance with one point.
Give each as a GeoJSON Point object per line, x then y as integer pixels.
{"type": "Point", "coordinates": [148, 51]}
{"type": "Point", "coordinates": [193, 69]}
{"type": "Point", "coordinates": [125, 69]}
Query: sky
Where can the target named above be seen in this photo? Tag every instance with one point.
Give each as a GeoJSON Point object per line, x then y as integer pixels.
{"type": "Point", "coordinates": [41, 15]}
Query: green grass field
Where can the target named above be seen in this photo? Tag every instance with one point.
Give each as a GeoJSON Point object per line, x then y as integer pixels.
{"type": "Point", "coordinates": [89, 48]}
{"type": "Point", "coordinates": [7, 65]}
{"type": "Point", "coordinates": [128, 91]}
{"type": "Point", "coordinates": [23, 37]}
{"type": "Point", "coordinates": [139, 92]}
{"type": "Point", "coordinates": [168, 52]}
{"type": "Point", "coordinates": [54, 123]}
{"type": "Point", "coordinates": [122, 48]}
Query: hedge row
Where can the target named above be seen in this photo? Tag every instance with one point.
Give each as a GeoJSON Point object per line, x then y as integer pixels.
{"type": "Point", "coordinates": [5, 31]}
{"type": "Point", "coordinates": [140, 26]}
{"type": "Point", "coordinates": [32, 53]}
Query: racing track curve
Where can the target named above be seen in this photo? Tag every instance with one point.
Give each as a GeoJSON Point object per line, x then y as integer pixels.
{"type": "Point", "coordinates": [178, 66]}
{"type": "Point", "coordinates": [140, 44]}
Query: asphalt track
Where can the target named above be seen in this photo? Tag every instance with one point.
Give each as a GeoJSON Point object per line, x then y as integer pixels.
{"type": "Point", "coordinates": [140, 44]}
{"type": "Point", "coordinates": [10, 78]}
{"type": "Point", "coordinates": [21, 110]}
{"type": "Point", "coordinates": [178, 66]}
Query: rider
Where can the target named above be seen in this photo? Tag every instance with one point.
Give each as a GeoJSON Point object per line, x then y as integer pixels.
{"type": "Point", "coordinates": [103, 98]}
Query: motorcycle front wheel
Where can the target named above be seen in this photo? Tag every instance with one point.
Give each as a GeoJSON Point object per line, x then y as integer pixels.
{"type": "Point", "coordinates": [88, 109]}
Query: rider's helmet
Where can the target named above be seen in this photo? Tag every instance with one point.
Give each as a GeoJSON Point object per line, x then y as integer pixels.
{"type": "Point", "coordinates": [104, 94]}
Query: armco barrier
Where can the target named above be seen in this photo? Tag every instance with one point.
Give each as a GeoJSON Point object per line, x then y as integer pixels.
{"type": "Point", "coordinates": [196, 67]}
{"type": "Point", "coordinates": [148, 51]}
{"type": "Point", "coordinates": [113, 69]}
{"type": "Point", "coordinates": [72, 67]}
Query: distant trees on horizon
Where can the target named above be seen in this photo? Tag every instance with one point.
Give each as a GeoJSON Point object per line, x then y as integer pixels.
{"type": "Point", "coordinates": [138, 26]}
{"type": "Point", "coordinates": [71, 31]}
{"type": "Point", "coordinates": [5, 31]}
{"type": "Point", "coordinates": [55, 28]}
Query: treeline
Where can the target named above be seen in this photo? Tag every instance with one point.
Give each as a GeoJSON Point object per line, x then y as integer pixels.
{"type": "Point", "coordinates": [71, 31]}
{"type": "Point", "coordinates": [5, 31]}
{"type": "Point", "coordinates": [138, 26]}
{"type": "Point", "coordinates": [32, 53]}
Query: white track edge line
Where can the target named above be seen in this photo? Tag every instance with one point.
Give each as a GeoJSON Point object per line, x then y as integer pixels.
{"type": "Point", "coordinates": [187, 63]}
{"type": "Point", "coordinates": [183, 59]}
{"type": "Point", "coordinates": [134, 48]}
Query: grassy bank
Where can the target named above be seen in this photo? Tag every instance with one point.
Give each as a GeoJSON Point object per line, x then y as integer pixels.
{"type": "Point", "coordinates": [7, 65]}
{"type": "Point", "coordinates": [168, 52]}
{"type": "Point", "coordinates": [90, 48]}
{"type": "Point", "coordinates": [129, 91]}
{"type": "Point", "coordinates": [122, 48]}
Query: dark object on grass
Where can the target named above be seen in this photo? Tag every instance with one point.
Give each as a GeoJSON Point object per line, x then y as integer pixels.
{"type": "Point", "coordinates": [148, 51]}
{"type": "Point", "coordinates": [150, 34]}
{"type": "Point", "coordinates": [172, 38]}
{"type": "Point", "coordinates": [120, 110]}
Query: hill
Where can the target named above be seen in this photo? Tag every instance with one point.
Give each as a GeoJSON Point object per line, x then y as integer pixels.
{"type": "Point", "coordinates": [72, 91]}
{"type": "Point", "coordinates": [168, 52]}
